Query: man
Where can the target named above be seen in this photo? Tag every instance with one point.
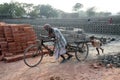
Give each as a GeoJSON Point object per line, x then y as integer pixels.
{"type": "Point", "coordinates": [96, 43]}
{"type": "Point", "coordinates": [61, 43]}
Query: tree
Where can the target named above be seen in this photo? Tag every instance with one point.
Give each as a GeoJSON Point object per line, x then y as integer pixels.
{"type": "Point", "coordinates": [91, 12]}
{"type": "Point", "coordinates": [47, 11]}
{"type": "Point", "coordinates": [28, 7]}
{"type": "Point", "coordinates": [12, 9]}
{"type": "Point", "coordinates": [17, 10]}
{"type": "Point", "coordinates": [35, 12]}
{"type": "Point", "coordinates": [77, 6]}
{"type": "Point", "coordinates": [103, 14]}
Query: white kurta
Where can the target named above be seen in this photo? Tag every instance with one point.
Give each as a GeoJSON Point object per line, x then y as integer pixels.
{"type": "Point", "coordinates": [60, 43]}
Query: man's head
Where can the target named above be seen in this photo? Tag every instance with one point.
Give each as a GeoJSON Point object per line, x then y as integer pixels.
{"type": "Point", "coordinates": [47, 27]}
{"type": "Point", "coordinates": [92, 37]}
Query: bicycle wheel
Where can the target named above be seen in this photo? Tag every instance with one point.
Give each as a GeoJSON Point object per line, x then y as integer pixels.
{"type": "Point", "coordinates": [33, 55]}
{"type": "Point", "coordinates": [81, 52]}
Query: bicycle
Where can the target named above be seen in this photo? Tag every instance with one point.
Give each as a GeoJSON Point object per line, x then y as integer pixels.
{"type": "Point", "coordinates": [33, 54]}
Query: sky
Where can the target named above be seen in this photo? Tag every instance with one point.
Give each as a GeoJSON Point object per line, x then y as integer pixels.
{"type": "Point", "coordinates": [112, 6]}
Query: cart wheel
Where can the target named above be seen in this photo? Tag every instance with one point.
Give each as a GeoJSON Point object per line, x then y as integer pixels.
{"type": "Point", "coordinates": [33, 55]}
{"type": "Point", "coordinates": [81, 52]}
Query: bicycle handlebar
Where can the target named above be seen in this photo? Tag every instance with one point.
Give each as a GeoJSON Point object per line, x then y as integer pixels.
{"type": "Point", "coordinates": [46, 38]}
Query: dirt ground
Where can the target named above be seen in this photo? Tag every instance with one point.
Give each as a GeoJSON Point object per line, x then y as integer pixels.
{"type": "Point", "coordinates": [51, 69]}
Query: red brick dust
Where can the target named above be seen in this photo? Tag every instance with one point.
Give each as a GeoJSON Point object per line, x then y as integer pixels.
{"type": "Point", "coordinates": [50, 69]}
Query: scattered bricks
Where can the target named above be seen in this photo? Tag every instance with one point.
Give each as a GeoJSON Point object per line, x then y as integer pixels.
{"type": "Point", "coordinates": [95, 65]}
{"type": "Point", "coordinates": [109, 66]}
{"type": "Point", "coordinates": [110, 60]}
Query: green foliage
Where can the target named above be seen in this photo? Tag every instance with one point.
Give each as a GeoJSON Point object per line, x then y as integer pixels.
{"type": "Point", "coordinates": [11, 9]}
{"type": "Point", "coordinates": [77, 6]}
{"type": "Point", "coordinates": [91, 12]}
{"type": "Point", "coordinates": [15, 9]}
{"type": "Point", "coordinates": [103, 14]}
{"type": "Point", "coordinates": [47, 11]}
{"type": "Point", "coordinates": [19, 10]}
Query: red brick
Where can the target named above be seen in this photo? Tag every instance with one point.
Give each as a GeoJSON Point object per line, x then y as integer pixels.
{"type": "Point", "coordinates": [8, 54]}
{"type": "Point", "coordinates": [3, 44]}
{"type": "Point", "coordinates": [2, 39]}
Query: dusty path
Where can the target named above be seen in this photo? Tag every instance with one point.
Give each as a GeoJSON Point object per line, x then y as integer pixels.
{"type": "Point", "coordinates": [51, 69]}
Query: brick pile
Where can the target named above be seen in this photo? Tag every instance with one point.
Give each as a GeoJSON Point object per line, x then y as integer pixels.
{"type": "Point", "coordinates": [111, 60]}
{"type": "Point", "coordinates": [14, 38]}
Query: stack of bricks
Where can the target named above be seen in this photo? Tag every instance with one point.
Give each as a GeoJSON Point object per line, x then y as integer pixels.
{"type": "Point", "coordinates": [15, 38]}
{"type": "Point", "coordinates": [3, 43]}
{"type": "Point", "coordinates": [30, 35]}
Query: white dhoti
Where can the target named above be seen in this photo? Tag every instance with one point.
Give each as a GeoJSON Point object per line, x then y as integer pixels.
{"type": "Point", "coordinates": [60, 43]}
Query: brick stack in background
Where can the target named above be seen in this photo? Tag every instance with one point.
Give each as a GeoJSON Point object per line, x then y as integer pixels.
{"type": "Point", "coordinates": [15, 38]}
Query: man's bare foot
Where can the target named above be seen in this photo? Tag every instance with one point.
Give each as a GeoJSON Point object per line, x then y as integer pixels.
{"type": "Point", "coordinates": [69, 57]}
{"type": "Point", "coordinates": [97, 54]}
{"type": "Point", "coordinates": [63, 61]}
